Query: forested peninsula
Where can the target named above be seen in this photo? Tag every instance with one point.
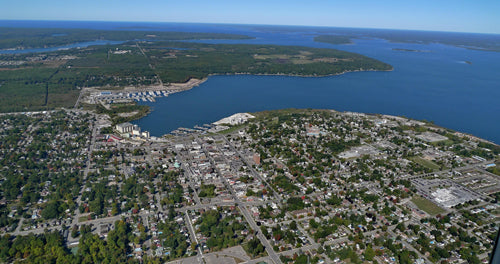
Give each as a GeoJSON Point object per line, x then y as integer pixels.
{"type": "Point", "coordinates": [47, 80]}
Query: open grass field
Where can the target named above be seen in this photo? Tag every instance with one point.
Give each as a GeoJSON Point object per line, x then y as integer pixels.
{"type": "Point", "coordinates": [426, 163]}
{"type": "Point", "coordinates": [427, 206]}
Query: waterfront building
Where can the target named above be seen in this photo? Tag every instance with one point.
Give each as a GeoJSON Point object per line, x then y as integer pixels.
{"type": "Point", "coordinates": [124, 127]}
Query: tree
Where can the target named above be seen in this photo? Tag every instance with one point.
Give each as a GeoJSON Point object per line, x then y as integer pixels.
{"type": "Point", "coordinates": [302, 259]}
{"type": "Point", "coordinates": [51, 210]}
{"type": "Point", "coordinates": [254, 247]}
{"type": "Point", "coordinates": [74, 231]}
{"type": "Point", "coordinates": [369, 253]}
{"type": "Point", "coordinates": [115, 209]}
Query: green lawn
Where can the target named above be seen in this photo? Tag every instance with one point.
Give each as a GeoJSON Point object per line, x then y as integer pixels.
{"type": "Point", "coordinates": [427, 206]}
{"type": "Point", "coordinates": [231, 129]}
{"type": "Point", "coordinates": [426, 163]}
{"type": "Point", "coordinates": [83, 219]}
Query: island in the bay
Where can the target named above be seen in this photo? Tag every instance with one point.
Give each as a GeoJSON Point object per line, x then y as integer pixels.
{"type": "Point", "coordinates": [289, 186]}
{"type": "Point", "coordinates": [144, 62]}
{"type": "Point", "coordinates": [484, 42]}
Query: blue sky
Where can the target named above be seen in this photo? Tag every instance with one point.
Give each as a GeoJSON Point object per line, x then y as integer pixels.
{"type": "Point", "coordinates": [481, 16]}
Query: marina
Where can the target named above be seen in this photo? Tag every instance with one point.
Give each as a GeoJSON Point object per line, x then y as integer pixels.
{"type": "Point", "coordinates": [197, 129]}
{"type": "Point", "coordinates": [110, 97]}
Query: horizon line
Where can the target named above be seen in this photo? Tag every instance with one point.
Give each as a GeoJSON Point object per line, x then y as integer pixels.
{"type": "Point", "coordinates": [244, 24]}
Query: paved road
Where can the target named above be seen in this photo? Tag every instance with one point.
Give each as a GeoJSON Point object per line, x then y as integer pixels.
{"type": "Point", "coordinates": [304, 232]}
{"type": "Point", "coordinates": [257, 260]}
{"type": "Point", "coordinates": [409, 246]}
{"type": "Point", "coordinates": [193, 235]}
{"type": "Point", "coordinates": [248, 217]}
{"type": "Point", "coordinates": [85, 174]}
{"type": "Point", "coordinates": [229, 203]}
{"type": "Point", "coordinates": [262, 238]}
{"type": "Point", "coordinates": [78, 100]}
{"type": "Point", "coordinates": [35, 231]}
{"type": "Point", "coordinates": [150, 65]}
{"type": "Point", "coordinates": [479, 165]}
{"type": "Point", "coordinates": [209, 258]}
{"type": "Point", "coordinates": [18, 228]}
{"type": "Point", "coordinates": [313, 244]}
{"type": "Point", "coordinates": [190, 175]}
{"type": "Point", "coordinates": [32, 112]}
{"type": "Point", "coordinates": [242, 205]}
{"type": "Point", "coordinates": [297, 250]}
{"type": "Point", "coordinates": [254, 172]}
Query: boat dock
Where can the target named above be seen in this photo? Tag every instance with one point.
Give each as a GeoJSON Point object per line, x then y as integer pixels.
{"type": "Point", "coordinates": [145, 96]}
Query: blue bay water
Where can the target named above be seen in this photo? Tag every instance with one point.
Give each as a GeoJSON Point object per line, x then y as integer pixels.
{"type": "Point", "coordinates": [436, 85]}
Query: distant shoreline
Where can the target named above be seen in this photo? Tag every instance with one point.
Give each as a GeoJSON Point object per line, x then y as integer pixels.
{"type": "Point", "coordinates": [410, 50]}
{"type": "Point", "coordinates": [193, 82]}
{"type": "Point", "coordinates": [300, 75]}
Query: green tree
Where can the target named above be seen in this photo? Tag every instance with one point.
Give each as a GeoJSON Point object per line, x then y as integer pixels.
{"type": "Point", "coordinates": [51, 210]}
{"type": "Point", "coordinates": [369, 253]}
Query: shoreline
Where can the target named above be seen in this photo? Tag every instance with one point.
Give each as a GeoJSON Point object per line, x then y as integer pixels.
{"type": "Point", "coordinates": [191, 83]}
{"type": "Point", "coordinates": [297, 75]}
{"type": "Point", "coordinates": [194, 82]}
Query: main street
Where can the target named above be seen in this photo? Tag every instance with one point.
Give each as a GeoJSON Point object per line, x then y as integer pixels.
{"type": "Point", "coordinates": [248, 217]}
{"type": "Point", "coordinates": [313, 244]}
{"type": "Point", "coordinates": [231, 203]}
